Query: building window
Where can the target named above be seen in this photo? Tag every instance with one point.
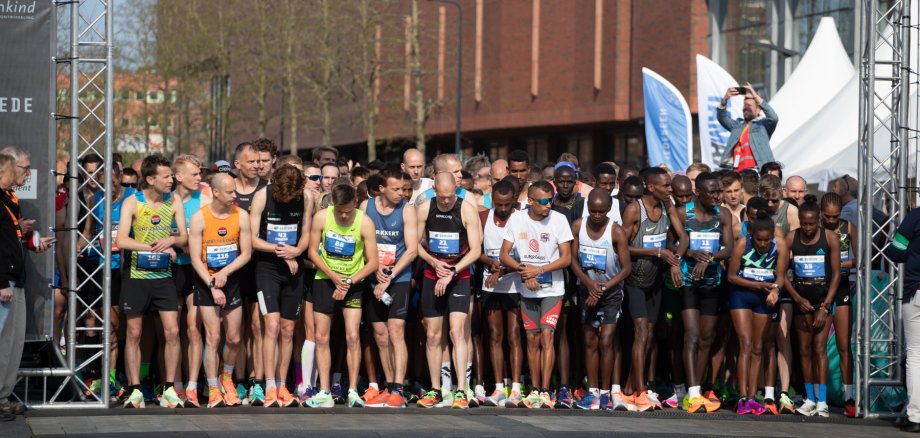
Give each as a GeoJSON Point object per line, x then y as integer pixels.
{"type": "Point", "coordinates": [125, 123]}
{"type": "Point", "coordinates": [743, 22]}
{"type": "Point", "coordinates": [807, 14]}
{"type": "Point", "coordinates": [125, 95]}
{"type": "Point", "coordinates": [139, 96]}
{"type": "Point", "coordinates": [154, 123]}
{"type": "Point", "coordinates": [138, 123]}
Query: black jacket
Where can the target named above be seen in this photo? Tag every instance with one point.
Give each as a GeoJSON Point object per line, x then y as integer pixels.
{"type": "Point", "coordinates": [12, 252]}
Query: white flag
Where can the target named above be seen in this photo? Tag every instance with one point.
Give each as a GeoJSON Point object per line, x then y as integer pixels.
{"type": "Point", "coordinates": [711, 83]}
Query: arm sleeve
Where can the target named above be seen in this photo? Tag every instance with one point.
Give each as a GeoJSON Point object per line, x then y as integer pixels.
{"type": "Point", "coordinates": [897, 251]}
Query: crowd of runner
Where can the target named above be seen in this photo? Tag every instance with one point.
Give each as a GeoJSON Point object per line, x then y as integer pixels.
{"type": "Point", "coordinates": [456, 284]}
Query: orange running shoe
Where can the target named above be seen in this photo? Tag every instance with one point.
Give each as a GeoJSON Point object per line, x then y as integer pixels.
{"type": "Point", "coordinates": [380, 401]}
{"type": "Point", "coordinates": [396, 400]}
{"type": "Point", "coordinates": [231, 397]}
{"type": "Point", "coordinates": [271, 398]}
{"type": "Point", "coordinates": [191, 399]}
{"type": "Point", "coordinates": [643, 403]}
{"type": "Point", "coordinates": [285, 399]}
{"type": "Point", "coordinates": [215, 400]}
{"type": "Point", "coordinates": [370, 394]}
{"type": "Point", "coordinates": [770, 407]}
{"type": "Point", "coordinates": [713, 402]}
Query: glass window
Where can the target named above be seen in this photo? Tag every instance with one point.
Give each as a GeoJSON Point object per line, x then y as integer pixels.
{"type": "Point", "coordinates": [744, 22]}
{"type": "Point", "coordinates": [125, 123]}
{"type": "Point", "coordinates": [125, 94]}
{"type": "Point", "coordinates": [806, 15]}
{"type": "Point", "coordinates": [139, 96]}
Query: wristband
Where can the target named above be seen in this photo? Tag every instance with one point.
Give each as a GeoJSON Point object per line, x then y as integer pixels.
{"type": "Point", "coordinates": [659, 253]}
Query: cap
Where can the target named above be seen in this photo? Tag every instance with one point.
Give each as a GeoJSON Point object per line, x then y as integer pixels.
{"type": "Point", "coordinates": [564, 163]}
{"type": "Point", "coordinates": [221, 166]}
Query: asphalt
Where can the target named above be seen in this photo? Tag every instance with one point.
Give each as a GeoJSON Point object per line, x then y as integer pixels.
{"type": "Point", "coordinates": [414, 422]}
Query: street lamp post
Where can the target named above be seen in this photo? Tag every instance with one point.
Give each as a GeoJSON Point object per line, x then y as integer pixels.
{"type": "Point", "coordinates": [459, 69]}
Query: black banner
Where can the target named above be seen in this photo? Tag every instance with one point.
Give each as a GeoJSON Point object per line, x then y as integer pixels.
{"type": "Point", "coordinates": [26, 102]}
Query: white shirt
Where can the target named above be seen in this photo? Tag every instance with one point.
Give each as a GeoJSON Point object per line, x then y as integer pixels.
{"type": "Point", "coordinates": [537, 243]}
{"type": "Point", "coordinates": [423, 185]}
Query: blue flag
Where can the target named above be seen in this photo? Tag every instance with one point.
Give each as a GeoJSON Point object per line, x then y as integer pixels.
{"type": "Point", "coordinates": [668, 129]}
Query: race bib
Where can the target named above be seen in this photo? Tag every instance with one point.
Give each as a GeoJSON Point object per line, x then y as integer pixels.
{"type": "Point", "coordinates": [709, 242]}
{"type": "Point", "coordinates": [592, 259]}
{"type": "Point", "coordinates": [152, 261]}
{"type": "Point", "coordinates": [101, 244]}
{"type": "Point", "coordinates": [844, 256]}
{"type": "Point", "coordinates": [341, 247]}
{"type": "Point", "coordinates": [220, 256]}
{"type": "Point", "coordinates": [545, 279]}
{"type": "Point", "coordinates": [278, 234]}
{"type": "Point", "coordinates": [386, 253]}
{"type": "Point", "coordinates": [493, 253]}
{"type": "Point", "coordinates": [444, 243]}
{"type": "Point", "coordinates": [809, 266]}
{"type": "Point", "coordinates": [758, 274]}
{"type": "Point", "coordinates": [653, 241]}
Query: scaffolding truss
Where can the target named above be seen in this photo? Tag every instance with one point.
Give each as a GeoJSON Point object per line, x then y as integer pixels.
{"type": "Point", "coordinates": [885, 139]}
{"type": "Point", "coordinates": [87, 332]}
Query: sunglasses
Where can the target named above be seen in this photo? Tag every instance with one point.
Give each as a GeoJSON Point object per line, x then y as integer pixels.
{"type": "Point", "coordinates": [543, 201]}
{"type": "Point", "coordinates": [774, 201]}
{"type": "Point", "coordinates": [314, 177]}
{"type": "Point", "coordinates": [129, 185]}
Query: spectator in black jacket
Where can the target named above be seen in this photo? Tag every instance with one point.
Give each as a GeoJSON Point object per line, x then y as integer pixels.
{"type": "Point", "coordinates": [905, 248]}
{"type": "Point", "coordinates": [12, 280]}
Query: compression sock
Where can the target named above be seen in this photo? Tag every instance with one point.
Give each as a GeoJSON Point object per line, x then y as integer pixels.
{"type": "Point", "coordinates": [848, 392]}
{"type": "Point", "coordinates": [145, 370]}
{"type": "Point", "coordinates": [445, 376]}
{"type": "Point", "coordinates": [469, 373]}
{"type": "Point", "coordinates": [306, 363]}
{"type": "Point", "coordinates": [809, 391]}
{"type": "Point", "coordinates": [822, 393]}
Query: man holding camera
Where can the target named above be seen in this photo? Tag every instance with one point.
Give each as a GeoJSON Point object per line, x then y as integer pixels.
{"type": "Point", "coordinates": [748, 145]}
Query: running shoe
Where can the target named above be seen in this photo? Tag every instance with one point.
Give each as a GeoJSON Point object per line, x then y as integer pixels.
{"type": "Point", "coordinates": [307, 395]}
{"type": "Point", "coordinates": [337, 394]}
{"type": "Point", "coordinates": [564, 398]}
{"type": "Point", "coordinates": [606, 401]}
{"type": "Point", "coordinates": [849, 409]}
{"type": "Point", "coordinates": [380, 401]}
{"type": "Point", "coordinates": [547, 400]}
{"type": "Point", "coordinates": [808, 408]}
{"type": "Point", "coordinates": [242, 394]}
{"type": "Point", "coordinates": [322, 399]}
{"type": "Point", "coordinates": [231, 397]}
{"type": "Point", "coordinates": [181, 394]}
{"type": "Point", "coordinates": [496, 399]}
{"type": "Point", "coordinates": [685, 403]}
{"type": "Point", "coordinates": [653, 397]}
{"type": "Point", "coordinates": [480, 395]}
{"type": "Point", "coordinates": [191, 399]}
{"type": "Point", "coordinates": [460, 401]}
{"type": "Point", "coordinates": [215, 399]}
{"type": "Point", "coordinates": [697, 405]}
{"type": "Point", "coordinates": [271, 398]}
{"type": "Point", "coordinates": [396, 400]}
{"type": "Point", "coordinates": [354, 400]}
{"type": "Point", "coordinates": [769, 407]}
{"type": "Point", "coordinates": [471, 400]}
{"type": "Point", "coordinates": [623, 402]}
{"type": "Point", "coordinates": [755, 407]}
{"type": "Point", "coordinates": [590, 402]}
{"type": "Point", "coordinates": [135, 400]}
{"type": "Point", "coordinates": [369, 394]}
{"type": "Point", "coordinates": [532, 400]}
{"type": "Point", "coordinates": [95, 388]}
{"type": "Point", "coordinates": [578, 394]}
{"type": "Point", "coordinates": [171, 399]}
{"type": "Point", "coordinates": [785, 404]}
{"type": "Point", "coordinates": [672, 402]}
{"type": "Point", "coordinates": [712, 402]}
{"type": "Point", "coordinates": [822, 410]}
{"type": "Point", "coordinates": [285, 399]}
{"type": "Point", "coordinates": [431, 399]}
{"type": "Point", "coordinates": [514, 400]}
{"type": "Point", "coordinates": [644, 403]}
{"type": "Point", "coordinates": [743, 408]}
{"type": "Point", "coordinates": [257, 395]}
